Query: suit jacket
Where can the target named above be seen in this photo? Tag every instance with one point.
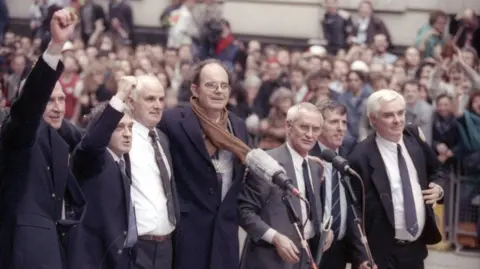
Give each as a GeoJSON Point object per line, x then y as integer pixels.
{"type": "Point", "coordinates": [35, 179]}
{"type": "Point", "coordinates": [261, 207]}
{"type": "Point", "coordinates": [106, 224]}
{"type": "Point", "coordinates": [379, 216]}
{"type": "Point", "coordinates": [207, 235]}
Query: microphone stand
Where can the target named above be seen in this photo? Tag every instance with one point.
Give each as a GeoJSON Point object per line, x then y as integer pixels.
{"type": "Point", "coordinates": [345, 179]}
{"type": "Point", "coordinates": [295, 220]}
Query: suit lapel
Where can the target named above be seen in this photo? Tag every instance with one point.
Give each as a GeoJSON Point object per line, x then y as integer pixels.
{"type": "Point", "coordinates": [380, 179]}
{"type": "Point", "coordinates": [60, 159]}
{"type": "Point", "coordinates": [192, 128]}
{"type": "Point", "coordinates": [285, 159]}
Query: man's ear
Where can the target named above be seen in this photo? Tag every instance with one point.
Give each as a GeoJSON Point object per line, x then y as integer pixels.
{"type": "Point", "coordinates": [194, 90]}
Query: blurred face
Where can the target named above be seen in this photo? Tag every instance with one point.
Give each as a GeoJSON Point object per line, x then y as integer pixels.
{"type": "Point", "coordinates": [296, 79]}
{"type": "Point", "coordinates": [163, 79]}
{"type": "Point", "coordinates": [107, 44]}
{"type": "Point", "coordinates": [400, 73]}
{"type": "Point", "coordinates": [380, 84]}
{"type": "Point", "coordinates": [121, 140]}
{"type": "Point", "coordinates": [125, 65]}
{"type": "Point", "coordinates": [55, 110]}
{"type": "Point", "coordinates": [340, 68]}
{"type": "Point", "coordinates": [315, 63]}
{"type": "Point", "coordinates": [18, 65]}
{"type": "Point", "coordinates": [283, 58]}
{"type": "Point", "coordinates": [412, 56]}
{"type": "Point", "coordinates": [444, 106]}
{"type": "Point", "coordinates": [171, 58]}
{"type": "Point", "coordinates": [476, 105]}
{"type": "Point", "coordinates": [185, 53]}
{"type": "Point", "coordinates": [185, 70]}
{"type": "Point", "coordinates": [145, 64]}
{"type": "Point", "coordinates": [469, 58]}
{"type": "Point", "coordinates": [354, 82]}
{"type": "Point", "coordinates": [381, 43]}
{"type": "Point", "coordinates": [274, 70]}
{"type": "Point", "coordinates": [213, 90]}
{"type": "Point", "coordinates": [334, 129]}
{"type": "Point", "coordinates": [389, 121]}
{"type": "Point", "coordinates": [302, 133]}
{"type": "Point", "coordinates": [365, 10]}
{"type": "Point", "coordinates": [439, 24]}
{"type": "Point", "coordinates": [70, 64]}
{"type": "Point", "coordinates": [92, 52]}
{"type": "Point", "coordinates": [376, 68]}
{"type": "Point", "coordinates": [149, 103]}
{"type": "Point", "coordinates": [411, 93]}
{"type": "Point", "coordinates": [389, 70]}
{"type": "Point", "coordinates": [366, 56]}
{"type": "Point", "coordinates": [157, 53]}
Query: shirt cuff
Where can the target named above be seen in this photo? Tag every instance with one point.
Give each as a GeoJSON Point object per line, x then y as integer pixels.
{"type": "Point", "coordinates": [117, 104]}
{"type": "Point", "coordinates": [269, 235]}
{"type": "Point", "coordinates": [51, 59]}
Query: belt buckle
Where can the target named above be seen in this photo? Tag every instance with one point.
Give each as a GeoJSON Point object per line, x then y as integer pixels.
{"type": "Point", "coordinates": [402, 242]}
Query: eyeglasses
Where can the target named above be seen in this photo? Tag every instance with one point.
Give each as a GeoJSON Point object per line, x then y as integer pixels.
{"type": "Point", "coordinates": [213, 86]}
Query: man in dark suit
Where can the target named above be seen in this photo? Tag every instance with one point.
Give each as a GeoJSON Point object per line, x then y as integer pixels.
{"type": "Point", "coordinates": [398, 169]}
{"type": "Point", "coordinates": [40, 199]}
{"type": "Point", "coordinates": [272, 239]}
{"type": "Point", "coordinates": [207, 145]}
{"type": "Point", "coordinates": [335, 199]}
{"type": "Point", "coordinates": [153, 185]}
{"type": "Point", "coordinates": [102, 166]}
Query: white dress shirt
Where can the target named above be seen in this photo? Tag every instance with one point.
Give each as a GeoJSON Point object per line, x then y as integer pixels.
{"type": "Point", "coordinates": [147, 190]}
{"type": "Point", "coordinates": [388, 151]}
{"type": "Point", "coordinates": [308, 231]}
{"type": "Point", "coordinates": [328, 198]}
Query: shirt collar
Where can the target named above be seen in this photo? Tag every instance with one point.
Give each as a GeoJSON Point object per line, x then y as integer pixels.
{"type": "Point", "coordinates": [116, 158]}
{"type": "Point", "coordinates": [389, 144]}
{"type": "Point", "coordinates": [141, 129]}
{"type": "Point", "coordinates": [296, 158]}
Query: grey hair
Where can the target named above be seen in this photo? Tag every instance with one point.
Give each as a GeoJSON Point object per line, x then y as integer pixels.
{"type": "Point", "coordinates": [252, 81]}
{"type": "Point", "coordinates": [292, 113]}
{"type": "Point", "coordinates": [376, 99]}
{"type": "Point", "coordinates": [141, 82]}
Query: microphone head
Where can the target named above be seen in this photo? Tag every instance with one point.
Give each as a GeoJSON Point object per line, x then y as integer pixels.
{"type": "Point", "coordinates": [262, 164]}
{"type": "Point", "coordinates": [328, 155]}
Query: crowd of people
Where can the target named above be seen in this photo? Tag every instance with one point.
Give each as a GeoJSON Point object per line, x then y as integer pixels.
{"type": "Point", "coordinates": [112, 93]}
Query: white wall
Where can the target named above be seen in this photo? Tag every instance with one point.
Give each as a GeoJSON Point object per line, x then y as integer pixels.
{"type": "Point", "coordinates": [294, 18]}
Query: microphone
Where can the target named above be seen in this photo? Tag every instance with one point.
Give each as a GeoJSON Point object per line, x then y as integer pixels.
{"type": "Point", "coordinates": [337, 161]}
{"type": "Point", "coordinates": [341, 165]}
{"type": "Point", "coordinates": [264, 166]}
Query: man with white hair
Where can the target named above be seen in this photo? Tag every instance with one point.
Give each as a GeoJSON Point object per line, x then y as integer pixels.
{"type": "Point", "coordinates": [398, 169]}
{"type": "Point", "coordinates": [272, 239]}
{"type": "Point", "coordinates": [153, 189]}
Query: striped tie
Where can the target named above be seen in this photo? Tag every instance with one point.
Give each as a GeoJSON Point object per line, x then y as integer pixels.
{"type": "Point", "coordinates": [336, 212]}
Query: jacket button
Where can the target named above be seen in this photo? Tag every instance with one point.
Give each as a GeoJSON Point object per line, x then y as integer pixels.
{"type": "Point", "coordinates": [119, 252]}
{"type": "Point", "coordinates": [48, 168]}
{"type": "Point", "coordinates": [125, 233]}
{"type": "Point", "coordinates": [53, 195]}
{"type": "Point", "coordinates": [211, 192]}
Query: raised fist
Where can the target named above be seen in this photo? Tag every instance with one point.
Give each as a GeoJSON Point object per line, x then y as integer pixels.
{"type": "Point", "coordinates": [62, 25]}
{"type": "Point", "coordinates": [125, 86]}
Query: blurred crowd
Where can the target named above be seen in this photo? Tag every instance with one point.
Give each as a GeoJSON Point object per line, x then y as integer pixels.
{"type": "Point", "coordinates": [438, 75]}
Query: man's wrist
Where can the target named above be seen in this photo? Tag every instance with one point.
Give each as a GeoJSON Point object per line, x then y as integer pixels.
{"type": "Point", "coordinates": [55, 48]}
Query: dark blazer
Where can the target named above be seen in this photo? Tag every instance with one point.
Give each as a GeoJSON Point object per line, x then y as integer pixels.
{"type": "Point", "coordinates": [207, 234]}
{"type": "Point", "coordinates": [97, 14]}
{"type": "Point", "coordinates": [379, 215]}
{"type": "Point", "coordinates": [375, 26]}
{"type": "Point", "coordinates": [261, 207]}
{"type": "Point", "coordinates": [106, 224]}
{"type": "Point", "coordinates": [339, 252]}
{"type": "Point", "coordinates": [34, 180]}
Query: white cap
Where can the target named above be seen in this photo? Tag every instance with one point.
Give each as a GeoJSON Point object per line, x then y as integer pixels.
{"type": "Point", "coordinates": [359, 66]}
{"type": "Point", "coordinates": [317, 50]}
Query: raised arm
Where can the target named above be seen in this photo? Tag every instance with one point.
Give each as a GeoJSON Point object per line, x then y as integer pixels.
{"type": "Point", "coordinates": [20, 128]}
{"type": "Point", "coordinates": [89, 157]}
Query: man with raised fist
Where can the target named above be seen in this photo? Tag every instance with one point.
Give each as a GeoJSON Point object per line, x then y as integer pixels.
{"type": "Point", "coordinates": [40, 200]}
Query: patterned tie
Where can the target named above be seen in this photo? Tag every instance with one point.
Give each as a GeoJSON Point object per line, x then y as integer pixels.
{"type": "Point", "coordinates": [408, 200]}
{"type": "Point", "coordinates": [167, 188]}
{"type": "Point", "coordinates": [336, 212]}
{"type": "Point", "coordinates": [132, 233]}
{"type": "Point", "coordinates": [310, 195]}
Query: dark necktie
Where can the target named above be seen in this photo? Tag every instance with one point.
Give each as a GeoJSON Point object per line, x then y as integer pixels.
{"type": "Point", "coordinates": [132, 233]}
{"type": "Point", "coordinates": [310, 196]}
{"type": "Point", "coordinates": [336, 212]}
{"type": "Point", "coordinates": [167, 188]}
{"type": "Point", "coordinates": [408, 200]}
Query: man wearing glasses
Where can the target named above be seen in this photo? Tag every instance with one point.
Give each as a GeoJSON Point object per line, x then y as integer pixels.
{"type": "Point", "coordinates": [207, 145]}
{"type": "Point", "coordinates": [272, 240]}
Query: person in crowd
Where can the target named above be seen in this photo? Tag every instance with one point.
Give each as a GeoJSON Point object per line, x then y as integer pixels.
{"type": "Point", "coordinates": [401, 183]}
{"type": "Point", "coordinates": [445, 134]}
{"type": "Point", "coordinates": [464, 27]}
{"type": "Point", "coordinates": [208, 148]}
{"type": "Point", "coordinates": [153, 189]}
{"type": "Point", "coordinates": [381, 55]}
{"type": "Point", "coordinates": [272, 239]}
{"type": "Point", "coordinates": [419, 112]}
{"type": "Point", "coordinates": [90, 14]}
{"type": "Point", "coordinates": [40, 200]}
{"type": "Point", "coordinates": [367, 25]}
{"type": "Point", "coordinates": [336, 202]}
{"type": "Point", "coordinates": [121, 20]}
{"type": "Point", "coordinates": [102, 166]}
{"type": "Point", "coordinates": [430, 36]}
{"type": "Point", "coordinates": [337, 27]}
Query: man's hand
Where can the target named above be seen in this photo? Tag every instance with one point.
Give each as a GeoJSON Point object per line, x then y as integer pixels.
{"type": "Point", "coordinates": [329, 241]}
{"type": "Point", "coordinates": [62, 26]}
{"type": "Point", "coordinates": [286, 248]}
{"type": "Point", "coordinates": [125, 87]}
{"type": "Point", "coordinates": [433, 194]}
{"type": "Point", "coordinates": [442, 148]}
{"type": "Point", "coordinates": [366, 265]}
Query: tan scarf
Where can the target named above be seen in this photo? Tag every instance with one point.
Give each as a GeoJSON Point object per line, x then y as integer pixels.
{"type": "Point", "coordinates": [216, 135]}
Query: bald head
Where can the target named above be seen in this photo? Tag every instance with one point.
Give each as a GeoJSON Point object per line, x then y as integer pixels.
{"type": "Point", "coordinates": [145, 83]}
{"type": "Point", "coordinates": [147, 101]}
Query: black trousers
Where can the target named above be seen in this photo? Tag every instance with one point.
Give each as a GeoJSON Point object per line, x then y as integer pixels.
{"type": "Point", "coordinates": [336, 256]}
{"type": "Point", "coordinates": [405, 256]}
{"type": "Point", "coordinates": [154, 255]}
